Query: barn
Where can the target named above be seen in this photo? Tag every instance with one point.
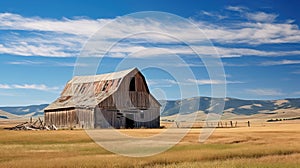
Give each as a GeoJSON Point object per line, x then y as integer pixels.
{"type": "Point", "coordinates": [113, 100]}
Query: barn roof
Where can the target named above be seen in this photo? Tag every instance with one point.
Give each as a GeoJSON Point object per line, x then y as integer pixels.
{"type": "Point", "coordinates": [88, 91]}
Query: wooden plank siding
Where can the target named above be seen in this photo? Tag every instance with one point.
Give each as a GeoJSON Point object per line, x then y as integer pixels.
{"type": "Point", "coordinates": [61, 118]}
{"type": "Point", "coordinates": [75, 118]}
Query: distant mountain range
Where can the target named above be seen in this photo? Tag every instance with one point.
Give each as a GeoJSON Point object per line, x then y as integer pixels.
{"type": "Point", "coordinates": [172, 107]}
{"type": "Point", "coordinates": [22, 111]}
{"type": "Point", "coordinates": [232, 105]}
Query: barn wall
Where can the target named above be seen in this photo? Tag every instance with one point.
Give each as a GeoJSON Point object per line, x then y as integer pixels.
{"type": "Point", "coordinates": [140, 83]}
{"type": "Point", "coordinates": [85, 118]}
{"type": "Point", "coordinates": [105, 118]}
{"type": "Point", "coordinates": [117, 119]}
{"type": "Point", "coordinates": [61, 118]}
{"type": "Point", "coordinates": [150, 120]}
{"type": "Point", "coordinates": [70, 118]}
{"type": "Point", "coordinates": [125, 99]}
{"type": "Point", "coordinates": [129, 103]}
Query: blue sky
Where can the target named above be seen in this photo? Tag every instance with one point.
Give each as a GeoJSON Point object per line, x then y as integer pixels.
{"type": "Point", "coordinates": [258, 43]}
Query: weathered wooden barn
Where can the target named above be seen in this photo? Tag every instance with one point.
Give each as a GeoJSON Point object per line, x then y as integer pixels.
{"type": "Point", "coordinates": [114, 100]}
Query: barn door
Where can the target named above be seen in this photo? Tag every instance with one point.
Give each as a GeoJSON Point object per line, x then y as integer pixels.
{"type": "Point", "coordinates": [129, 123]}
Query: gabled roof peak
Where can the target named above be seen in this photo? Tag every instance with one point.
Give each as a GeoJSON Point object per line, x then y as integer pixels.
{"type": "Point", "coordinates": [101, 77]}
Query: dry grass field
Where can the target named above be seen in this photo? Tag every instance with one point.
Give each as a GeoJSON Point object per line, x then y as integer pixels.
{"type": "Point", "coordinates": [262, 145]}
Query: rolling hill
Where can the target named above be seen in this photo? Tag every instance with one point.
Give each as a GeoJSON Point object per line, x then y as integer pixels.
{"type": "Point", "coordinates": [21, 111]}
{"type": "Point", "coordinates": [6, 115]}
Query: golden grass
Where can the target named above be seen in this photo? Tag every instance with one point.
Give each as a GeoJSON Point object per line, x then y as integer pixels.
{"type": "Point", "coordinates": [263, 145]}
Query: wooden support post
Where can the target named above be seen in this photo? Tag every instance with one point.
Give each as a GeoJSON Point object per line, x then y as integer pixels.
{"type": "Point", "coordinates": [231, 124]}
{"type": "Point", "coordinates": [248, 123]}
{"type": "Point", "coordinates": [41, 122]}
{"type": "Point", "coordinates": [177, 124]}
{"type": "Point", "coordinates": [235, 124]}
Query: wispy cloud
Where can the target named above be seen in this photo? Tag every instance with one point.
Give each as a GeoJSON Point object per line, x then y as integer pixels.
{"type": "Point", "coordinates": [213, 15]}
{"type": "Point", "coordinates": [280, 62]}
{"type": "Point", "coordinates": [4, 86]}
{"type": "Point", "coordinates": [257, 16]}
{"type": "Point", "coordinates": [170, 82]}
{"type": "Point", "coordinates": [236, 8]}
{"type": "Point", "coordinates": [25, 62]}
{"type": "Point", "coordinates": [162, 82]}
{"type": "Point", "coordinates": [48, 63]}
{"type": "Point", "coordinates": [213, 82]}
{"type": "Point", "coordinates": [41, 87]}
{"type": "Point", "coordinates": [262, 17]}
{"type": "Point", "coordinates": [223, 52]}
{"type": "Point", "coordinates": [35, 87]}
{"type": "Point", "coordinates": [65, 37]}
{"type": "Point", "coordinates": [81, 26]}
{"type": "Point", "coordinates": [265, 92]}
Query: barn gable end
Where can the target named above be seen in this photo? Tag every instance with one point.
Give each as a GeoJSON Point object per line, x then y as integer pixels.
{"type": "Point", "coordinates": [119, 100]}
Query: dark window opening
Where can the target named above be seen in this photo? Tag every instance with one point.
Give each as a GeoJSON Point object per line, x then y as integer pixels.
{"type": "Point", "coordinates": [129, 122]}
{"type": "Point", "coordinates": [132, 84]}
{"type": "Point", "coordinates": [105, 86]}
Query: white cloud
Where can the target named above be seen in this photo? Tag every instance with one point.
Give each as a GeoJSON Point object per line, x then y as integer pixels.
{"type": "Point", "coordinates": [163, 82]}
{"type": "Point", "coordinates": [213, 82]}
{"type": "Point", "coordinates": [236, 8]}
{"type": "Point", "coordinates": [4, 86]}
{"type": "Point", "coordinates": [67, 64]}
{"type": "Point", "coordinates": [261, 17]}
{"type": "Point", "coordinates": [223, 52]}
{"type": "Point", "coordinates": [65, 37]}
{"type": "Point", "coordinates": [268, 63]}
{"type": "Point", "coordinates": [25, 62]}
{"type": "Point", "coordinates": [25, 49]}
{"type": "Point", "coordinates": [48, 63]}
{"type": "Point", "coordinates": [257, 16]}
{"type": "Point", "coordinates": [170, 82]}
{"type": "Point", "coordinates": [41, 87]}
{"type": "Point", "coordinates": [214, 15]}
{"type": "Point", "coordinates": [47, 37]}
{"type": "Point", "coordinates": [280, 62]}
{"type": "Point", "coordinates": [265, 92]}
{"type": "Point", "coordinates": [10, 21]}
{"type": "Point", "coordinates": [254, 33]}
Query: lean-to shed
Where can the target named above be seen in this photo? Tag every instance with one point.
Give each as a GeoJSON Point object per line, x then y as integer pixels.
{"type": "Point", "coordinates": [114, 100]}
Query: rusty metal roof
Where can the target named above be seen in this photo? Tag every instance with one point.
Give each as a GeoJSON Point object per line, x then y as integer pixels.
{"type": "Point", "coordinates": [88, 91]}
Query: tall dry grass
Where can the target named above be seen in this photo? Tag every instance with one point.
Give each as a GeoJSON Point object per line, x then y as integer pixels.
{"type": "Point", "coordinates": [264, 145]}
